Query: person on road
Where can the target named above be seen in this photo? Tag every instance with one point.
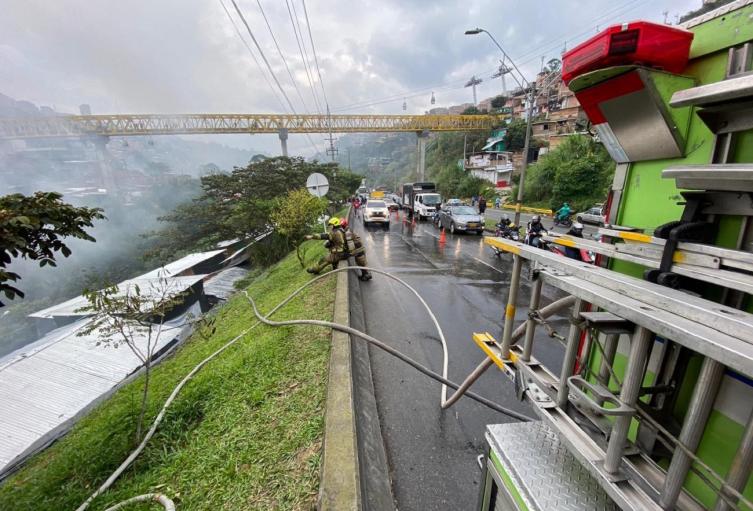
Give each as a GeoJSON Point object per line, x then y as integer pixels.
{"type": "Point", "coordinates": [535, 230]}
{"type": "Point", "coordinates": [481, 205]}
{"type": "Point", "coordinates": [564, 212]}
{"type": "Point", "coordinates": [497, 202]}
{"type": "Point", "coordinates": [577, 231]}
{"type": "Point", "coordinates": [355, 248]}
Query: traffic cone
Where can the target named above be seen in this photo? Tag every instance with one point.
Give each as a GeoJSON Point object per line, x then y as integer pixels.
{"type": "Point", "coordinates": [442, 237]}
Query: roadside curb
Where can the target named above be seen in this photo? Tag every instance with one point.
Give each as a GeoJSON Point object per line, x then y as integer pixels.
{"type": "Point", "coordinates": [340, 485]}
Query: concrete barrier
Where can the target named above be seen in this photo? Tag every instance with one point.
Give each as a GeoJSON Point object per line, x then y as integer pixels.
{"type": "Point", "coordinates": [340, 483]}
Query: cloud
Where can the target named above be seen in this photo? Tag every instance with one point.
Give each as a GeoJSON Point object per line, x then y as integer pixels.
{"type": "Point", "coordinates": [185, 56]}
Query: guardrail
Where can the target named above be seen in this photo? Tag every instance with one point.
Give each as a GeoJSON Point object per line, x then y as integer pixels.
{"type": "Point", "coordinates": [526, 209]}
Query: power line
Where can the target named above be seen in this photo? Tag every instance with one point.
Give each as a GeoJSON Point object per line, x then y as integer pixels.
{"type": "Point", "coordinates": [256, 60]}
{"type": "Point", "coordinates": [302, 49]}
{"type": "Point", "coordinates": [269, 67]}
{"type": "Point", "coordinates": [282, 56]}
{"type": "Point", "coordinates": [313, 50]}
{"type": "Point", "coordinates": [332, 149]}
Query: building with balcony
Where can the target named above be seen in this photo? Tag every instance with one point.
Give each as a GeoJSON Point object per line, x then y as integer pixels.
{"type": "Point", "coordinates": [495, 167]}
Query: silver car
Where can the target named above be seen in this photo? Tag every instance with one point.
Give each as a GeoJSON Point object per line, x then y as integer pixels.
{"type": "Point", "coordinates": [594, 215]}
{"type": "Point", "coordinates": [461, 218]}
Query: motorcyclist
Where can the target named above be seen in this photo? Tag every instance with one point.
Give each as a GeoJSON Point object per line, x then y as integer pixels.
{"type": "Point", "coordinates": [576, 230]}
{"type": "Point", "coordinates": [564, 212]}
{"type": "Point", "coordinates": [355, 248]}
{"type": "Point", "coordinates": [506, 227]}
{"type": "Point", "coordinates": [535, 230]}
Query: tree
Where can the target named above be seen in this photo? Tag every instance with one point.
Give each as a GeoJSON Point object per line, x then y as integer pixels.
{"type": "Point", "coordinates": [33, 227]}
{"type": "Point", "coordinates": [499, 101]}
{"type": "Point", "coordinates": [578, 171]}
{"type": "Point", "coordinates": [515, 136]}
{"type": "Point", "coordinates": [553, 66]}
{"type": "Point", "coordinates": [135, 318]}
{"type": "Point", "coordinates": [295, 215]}
{"type": "Point", "coordinates": [240, 204]}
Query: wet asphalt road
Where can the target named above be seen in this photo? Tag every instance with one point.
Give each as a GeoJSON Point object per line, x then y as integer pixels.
{"type": "Point", "coordinates": [432, 453]}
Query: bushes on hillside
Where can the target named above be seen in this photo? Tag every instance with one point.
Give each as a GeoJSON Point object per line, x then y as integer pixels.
{"type": "Point", "coordinates": [579, 171]}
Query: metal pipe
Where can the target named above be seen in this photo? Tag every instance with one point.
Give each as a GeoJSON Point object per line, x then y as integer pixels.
{"type": "Point", "coordinates": [545, 312]}
{"type": "Point", "coordinates": [631, 386]}
{"type": "Point", "coordinates": [571, 351]}
{"type": "Point", "coordinates": [739, 471]}
{"type": "Point", "coordinates": [531, 323]}
{"type": "Point", "coordinates": [701, 402]}
{"type": "Point", "coordinates": [610, 348]}
{"type": "Point", "coordinates": [512, 298]}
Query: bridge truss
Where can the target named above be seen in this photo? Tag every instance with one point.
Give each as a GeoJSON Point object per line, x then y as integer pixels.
{"type": "Point", "coordinates": [151, 124]}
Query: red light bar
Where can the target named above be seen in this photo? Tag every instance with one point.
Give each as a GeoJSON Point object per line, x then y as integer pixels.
{"type": "Point", "coordinates": [641, 43]}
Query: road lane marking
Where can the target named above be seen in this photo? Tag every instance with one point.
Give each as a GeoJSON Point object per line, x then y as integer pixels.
{"type": "Point", "coordinates": [489, 265]}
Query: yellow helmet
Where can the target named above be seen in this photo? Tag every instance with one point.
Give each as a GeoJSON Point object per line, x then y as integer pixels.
{"type": "Point", "coordinates": [334, 221]}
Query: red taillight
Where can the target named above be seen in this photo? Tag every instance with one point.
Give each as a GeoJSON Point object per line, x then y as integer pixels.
{"type": "Point", "coordinates": [621, 43]}
{"type": "Point", "coordinates": [641, 42]}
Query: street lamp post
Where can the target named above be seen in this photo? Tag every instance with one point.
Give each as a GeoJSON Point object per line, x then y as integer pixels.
{"type": "Point", "coordinates": [524, 84]}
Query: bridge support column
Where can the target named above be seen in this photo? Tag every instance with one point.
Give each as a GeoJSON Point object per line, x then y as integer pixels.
{"type": "Point", "coordinates": [283, 134]}
{"type": "Point", "coordinates": [103, 156]}
{"type": "Point", "coordinates": [423, 136]}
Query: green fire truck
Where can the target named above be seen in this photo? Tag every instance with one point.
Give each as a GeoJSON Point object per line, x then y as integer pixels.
{"type": "Point", "coordinates": [653, 405]}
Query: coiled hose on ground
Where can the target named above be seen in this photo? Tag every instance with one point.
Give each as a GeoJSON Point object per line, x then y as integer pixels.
{"type": "Point", "coordinates": [442, 378]}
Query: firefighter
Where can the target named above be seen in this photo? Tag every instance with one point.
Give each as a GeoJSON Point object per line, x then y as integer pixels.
{"type": "Point", "coordinates": [355, 248]}
{"type": "Point", "coordinates": [335, 243]}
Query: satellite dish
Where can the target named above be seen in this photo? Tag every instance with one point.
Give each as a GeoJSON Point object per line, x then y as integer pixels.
{"type": "Point", "coordinates": [317, 184]}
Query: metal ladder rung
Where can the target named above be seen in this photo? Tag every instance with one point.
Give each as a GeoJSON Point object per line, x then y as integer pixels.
{"type": "Point", "coordinates": [734, 177]}
{"type": "Point", "coordinates": [717, 92]}
{"type": "Point", "coordinates": [710, 315]}
{"type": "Point", "coordinates": [731, 351]}
{"type": "Point", "coordinates": [718, 276]}
{"type": "Point", "coordinates": [727, 257]}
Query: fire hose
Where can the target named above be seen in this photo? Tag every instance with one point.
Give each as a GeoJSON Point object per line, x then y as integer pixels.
{"type": "Point", "coordinates": [461, 389]}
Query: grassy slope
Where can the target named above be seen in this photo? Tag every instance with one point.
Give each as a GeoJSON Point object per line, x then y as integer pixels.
{"type": "Point", "coordinates": [246, 433]}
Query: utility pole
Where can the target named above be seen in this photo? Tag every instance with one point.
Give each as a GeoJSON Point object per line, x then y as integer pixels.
{"type": "Point", "coordinates": [531, 88]}
{"type": "Point", "coordinates": [331, 150]}
{"type": "Point", "coordinates": [472, 83]}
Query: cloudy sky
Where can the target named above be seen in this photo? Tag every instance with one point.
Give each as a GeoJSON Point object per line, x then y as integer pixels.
{"type": "Point", "coordinates": [168, 56]}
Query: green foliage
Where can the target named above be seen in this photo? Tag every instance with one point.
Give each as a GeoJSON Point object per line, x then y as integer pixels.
{"type": "Point", "coordinates": [33, 227]}
{"type": "Point", "coordinates": [553, 65]}
{"type": "Point", "coordinates": [241, 203]}
{"type": "Point", "coordinates": [499, 101]}
{"type": "Point", "coordinates": [132, 318]}
{"type": "Point", "coordinates": [245, 433]}
{"type": "Point", "coordinates": [579, 171]}
{"type": "Point", "coordinates": [473, 110]}
{"type": "Point", "coordinates": [515, 136]}
{"type": "Point", "coordinates": [296, 215]}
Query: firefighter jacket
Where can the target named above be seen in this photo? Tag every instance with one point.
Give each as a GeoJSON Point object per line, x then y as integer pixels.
{"type": "Point", "coordinates": [336, 238]}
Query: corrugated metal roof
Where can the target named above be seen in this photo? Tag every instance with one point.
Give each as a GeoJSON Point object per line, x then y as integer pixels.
{"type": "Point", "coordinates": [149, 288]}
{"type": "Point", "coordinates": [45, 386]}
{"type": "Point", "coordinates": [180, 266]}
{"type": "Point", "coordinates": [222, 285]}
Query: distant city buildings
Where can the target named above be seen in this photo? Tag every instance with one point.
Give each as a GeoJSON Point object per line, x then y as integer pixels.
{"type": "Point", "coordinates": [557, 114]}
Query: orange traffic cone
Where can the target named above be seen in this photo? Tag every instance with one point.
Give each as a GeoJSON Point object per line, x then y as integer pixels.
{"type": "Point", "coordinates": [442, 237]}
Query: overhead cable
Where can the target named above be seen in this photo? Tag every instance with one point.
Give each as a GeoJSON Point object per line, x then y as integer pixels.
{"type": "Point", "coordinates": [282, 56]}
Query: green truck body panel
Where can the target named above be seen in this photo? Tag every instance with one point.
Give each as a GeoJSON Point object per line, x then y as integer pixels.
{"type": "Point", "coordinates": [649, 201]}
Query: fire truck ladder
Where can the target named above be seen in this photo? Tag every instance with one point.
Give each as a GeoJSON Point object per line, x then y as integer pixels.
{"type": "Point", "coordinates": [593, 412]}
{"type": "Point", "coordinates": [591, 419]}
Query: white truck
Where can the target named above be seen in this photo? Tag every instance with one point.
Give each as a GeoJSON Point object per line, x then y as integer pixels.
{"type": "Point", "coordinates": [420, 199]}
